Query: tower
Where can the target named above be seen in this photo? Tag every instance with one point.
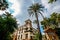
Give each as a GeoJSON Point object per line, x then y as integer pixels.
{"type": "Point", "coordinates": [28, 23]}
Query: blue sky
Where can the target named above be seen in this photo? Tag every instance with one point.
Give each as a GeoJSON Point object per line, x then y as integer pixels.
{"type": "Point", "coordinates": [18, 8]}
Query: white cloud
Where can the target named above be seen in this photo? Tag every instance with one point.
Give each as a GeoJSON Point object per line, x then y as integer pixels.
{"type": "Point", "coordinates": [1, 12]}
{"type": "Point", "coordinates": [16, 6]}
{"type": "Point", "coordinates": [54, 7]}
{"type": "Point", "coordinates": [45, 3]}
{"type": "Point", "coordinates": [18, 21]}
{"type": "Point", "coordinates": [47, 7]}
{"type": "Point", "coordinates": [32, 1]}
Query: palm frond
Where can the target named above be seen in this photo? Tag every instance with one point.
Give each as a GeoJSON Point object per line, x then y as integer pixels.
{"type": "Point", "coordinates": [35, 8]}
{"type": "Point", "coordinates": [35, 21]}
{"type": "Point", "coordinates": [41, 15]}
{"type": "Point", "coordinates": [30, 12]}
{"type": "Point", "coordinates": [3, 4]}
{"type": "Point", "coordinates": [51, 1]}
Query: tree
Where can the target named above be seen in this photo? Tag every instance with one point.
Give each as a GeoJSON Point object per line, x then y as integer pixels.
{"type": "Point", "coordinates": [53, 21]}
{"type": "Point", "coordinates": [3, 4]}
{"type": "Point", "coordinates": [45, 22]}
{"type": "Point", "coordinates": [35, 9]}
{"type": "Point", "coordinates": [36, 36]}
{"type": "Point", "coordinates": [8, 24]}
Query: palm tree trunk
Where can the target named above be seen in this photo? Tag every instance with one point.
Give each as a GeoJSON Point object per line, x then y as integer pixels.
{"type": "Point", "coordinates": [39, 31]}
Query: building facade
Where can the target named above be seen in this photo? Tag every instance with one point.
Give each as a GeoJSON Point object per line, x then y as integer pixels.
{"type": "Point", "coordinates": [14, 35]}
{"type": "Point", "coordinates": [25, 32]}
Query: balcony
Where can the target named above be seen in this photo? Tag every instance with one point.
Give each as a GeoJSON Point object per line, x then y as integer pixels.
{"type": "Point", "coordinates": [28, 30]}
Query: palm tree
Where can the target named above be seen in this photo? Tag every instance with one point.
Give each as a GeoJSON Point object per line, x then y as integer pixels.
{"type": "Point", "coordinates": [35, 9]}
{"type": "Point", "coordinates": [3, 4]}
{"type": "Point", "coordinates": [53, 21]}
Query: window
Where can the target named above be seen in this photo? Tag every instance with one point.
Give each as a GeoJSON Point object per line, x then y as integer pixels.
{"type": "Point", "coordinates": [30, 28]}
{"type": "Point", "coordinates": [26, 29]}
{"type": "Point", "coordinates": [31, 37]}
{"type": "Point", "coordinates": [21, 36]}
{"type": "Point", "coordinates": [18, 36]}
{"type": "Point", "coordinates": [26, 36]}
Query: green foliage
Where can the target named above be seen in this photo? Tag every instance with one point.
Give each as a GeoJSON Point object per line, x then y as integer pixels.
{"type": "Point", "coordinates": [51, 1]}
{"type": "Point", "coordinates": [3, 4]}
{"type": "Point", "coordinates": [7, 26]}
{"type": "Point", "coordinates": [36, 37]}
{"type": "Point", "coordinates": [53, 21]}
{"type": "Point", "coordinates": [35, 21]}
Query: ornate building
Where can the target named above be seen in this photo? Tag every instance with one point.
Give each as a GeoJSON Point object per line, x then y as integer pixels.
{"type": "Point", "coordinates": [25, 32]}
